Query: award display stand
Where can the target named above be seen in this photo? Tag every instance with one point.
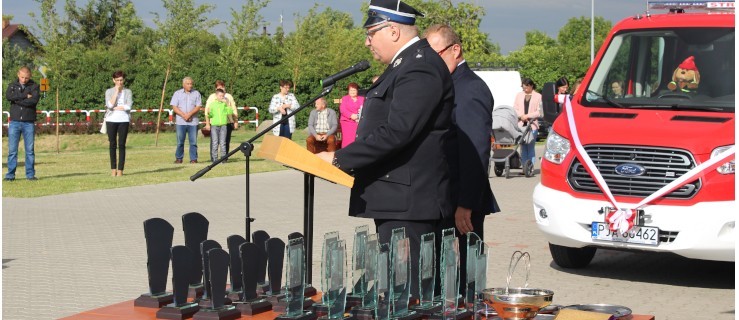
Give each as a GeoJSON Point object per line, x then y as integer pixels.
{"type": "Point", "coordinates": [359, 283]}
{"type": "Point", "coordinates": [276, 260]}
{"type": "Point", "coordinates": [250, 304]}
{"type": "Point", "coordinates": [427, 277]}
{"type": "Point", "coordinates": [295, 283]}
{"type": "Point", "coordinates": [195, 227]}
{"type": "Point", "coordinates": [366, 309]}
{"type": "Point", "coordinates": [450, 279]}
{"type": "Point", "coordinates": [181, 264]}
{"type": "Point", "coordinates": [158, 233]}
{"type": "Point", "coordinates": [206, 246]}
{"type": "Point", "coordinates": [309, 289]}
{"type": "Point", "coordinates": [260, 238]}
{"type": "Point", "coordinates": [400, 273]}
{"type": "Point", "coordinates": [215, 283]}
{"type": "Point", "coordinates": [234, 242]}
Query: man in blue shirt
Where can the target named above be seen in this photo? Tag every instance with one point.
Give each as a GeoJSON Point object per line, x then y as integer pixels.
{"type": "Point", "coordinates": [186, 103]}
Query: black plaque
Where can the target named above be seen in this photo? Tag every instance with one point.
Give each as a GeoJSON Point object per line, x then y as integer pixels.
{"type": "Point", "coordinates": [195, 227]}
{"type": "Point", "coordinates": [276, 261]}
{"type": "Point", "coordinates": [250, 303]}
{"type": "Point", "coordinates": [276, 258]}
{"type": "Point", "coordinates": [310, 290]}
{"type": "Point", "coordinates": [181, 264]}
{"type": "Point", "coordinates": [260, 238]}
{"type": "Point", "coordinates": [206, 246]}
{"type": "Point", "coordinates": [215, 284]}
{"type": "Point", "coordinates": [234, 242]}
{"type": "Point", "coordinates": [158, 233]}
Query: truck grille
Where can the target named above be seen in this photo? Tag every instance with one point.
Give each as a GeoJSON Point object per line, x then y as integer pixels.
{"type": "Point", "coordinates": [662, 167]}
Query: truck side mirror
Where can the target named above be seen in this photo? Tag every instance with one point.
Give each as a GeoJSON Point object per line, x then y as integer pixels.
{"type": "Point", "coordinates": [551, 108]}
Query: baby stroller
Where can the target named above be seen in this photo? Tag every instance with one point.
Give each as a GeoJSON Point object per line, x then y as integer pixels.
{"type": "Point", "coordinates": [508, 138]}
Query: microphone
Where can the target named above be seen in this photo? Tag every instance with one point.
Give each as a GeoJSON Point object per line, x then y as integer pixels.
{"type": "Point", "coordinates": [359, 67]}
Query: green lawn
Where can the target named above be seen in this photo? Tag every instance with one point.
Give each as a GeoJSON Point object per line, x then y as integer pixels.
{"type": "Point", "coordinates": [83, 163]}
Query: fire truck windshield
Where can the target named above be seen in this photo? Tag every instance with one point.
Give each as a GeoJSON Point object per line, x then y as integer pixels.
{"type": "Point", "coordinates": [689, 67]}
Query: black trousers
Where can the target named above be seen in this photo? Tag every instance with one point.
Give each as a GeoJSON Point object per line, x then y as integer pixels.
{"type": "Point", "coordinates": [117, 130]}
{"type": "Point", "coordinates": [413, 230]}
{"type": "Point", "coordinates": [229, 129]}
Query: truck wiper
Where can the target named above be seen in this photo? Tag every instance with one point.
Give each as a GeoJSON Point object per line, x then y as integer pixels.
{"type": "Point", "coordinates": [681, 107]}
{"type": "Point", "coordinates": [606, 99]}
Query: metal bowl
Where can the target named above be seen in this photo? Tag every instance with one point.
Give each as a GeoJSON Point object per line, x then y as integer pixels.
{"type": "Point", "coordinates": [618, 312]}
{"type": "Point", "coordinates": [517, 303]}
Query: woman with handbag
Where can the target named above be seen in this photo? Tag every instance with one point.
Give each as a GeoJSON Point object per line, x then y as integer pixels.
{"type": "Point", "coordinates": [528, 107]}
{"type": "Point", "coordinates": [118, 102]}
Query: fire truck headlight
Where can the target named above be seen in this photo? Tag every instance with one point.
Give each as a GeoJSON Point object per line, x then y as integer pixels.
{"type": "Point", "coordinates": [557, 148]}
{"type": "Point", "coordinates": [726, 168]}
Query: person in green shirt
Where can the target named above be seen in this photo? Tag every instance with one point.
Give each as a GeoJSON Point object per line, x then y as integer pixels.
{"type": "Point", "coordinates": [217, 113]}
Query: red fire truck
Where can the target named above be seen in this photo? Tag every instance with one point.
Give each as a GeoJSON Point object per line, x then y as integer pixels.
{"type": "Point", "coordinates": [649, 167]}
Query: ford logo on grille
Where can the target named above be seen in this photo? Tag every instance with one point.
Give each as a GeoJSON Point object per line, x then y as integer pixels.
{"type": "Point", "coordinates": [630, 170]}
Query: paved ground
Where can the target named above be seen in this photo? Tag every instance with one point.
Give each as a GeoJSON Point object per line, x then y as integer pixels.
{"type": "Point", "coordinates": [70, 253]}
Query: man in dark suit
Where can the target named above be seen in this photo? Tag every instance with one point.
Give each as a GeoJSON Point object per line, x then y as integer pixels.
{"type": "Point", "coordinates": [470, 153]}
{"type": "Point", "coordinates": [398, 160]}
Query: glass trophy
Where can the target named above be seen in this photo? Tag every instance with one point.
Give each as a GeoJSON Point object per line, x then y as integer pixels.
{"type": "Point", "coordinates": [427, 276]}
{"type": "Point", "coordinates": [329, 239]}
{"type": "Point", "coordinates": [366, 309]}
{"type": "Point", "coordinates": [382, 292]}
{"type": "Point", "coordinates": [450, 278]}
{"type": "Point", "coordinates": [334, 295]}
{"type": "Point", "coordinates": [470, 298]}
{"type": "Point", "coordinates": [481, 270]}
{"type": "Point", "coordinates": [400, 277]}
{"type": "Point", "coordinates": [359, 283]}
{"type": "Point", "coordinates": [295, 282]}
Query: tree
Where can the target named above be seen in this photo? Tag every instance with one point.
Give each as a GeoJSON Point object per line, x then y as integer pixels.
{"type": "Point", "coordinates": [235, 59]}
{"type": "Point", "coordinates": [576, 32]}
{"type": "Point", "coordinates": [178, 36]}
{"type": "Point", "coordinates": [539, 38]}
{"type": "Point", "coordinates": [465, 19]}
{"type": "Point", "coordinates": [59, 54]}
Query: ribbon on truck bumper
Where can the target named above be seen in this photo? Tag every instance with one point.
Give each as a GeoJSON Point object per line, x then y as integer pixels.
{"type": "Point", "coordinates": [622, 218]}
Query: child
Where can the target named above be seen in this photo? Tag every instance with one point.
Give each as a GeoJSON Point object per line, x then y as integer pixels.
{"type": "Point", "coordinates": [217, 112]}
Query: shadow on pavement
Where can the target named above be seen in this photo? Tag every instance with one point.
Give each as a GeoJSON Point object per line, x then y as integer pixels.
{"type": "Point", "coordinates": [6, 261]}
{"type": "Point", "coordinates": [658, 268]}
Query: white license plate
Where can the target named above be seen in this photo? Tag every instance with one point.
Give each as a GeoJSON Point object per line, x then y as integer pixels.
{"type": "Point", "coordinates": [637, 234]}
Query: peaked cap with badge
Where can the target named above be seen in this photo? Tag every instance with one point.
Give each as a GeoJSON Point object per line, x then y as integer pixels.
{"type": "Point", "coordinates": [390, 10]}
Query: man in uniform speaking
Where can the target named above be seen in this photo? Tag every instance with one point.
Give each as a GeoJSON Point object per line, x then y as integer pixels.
{"type": "Point", "coordinates": [398, 161]}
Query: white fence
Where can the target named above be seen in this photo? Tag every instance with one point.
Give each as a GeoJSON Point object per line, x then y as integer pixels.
{"type": "Point", "coordinates": [49, 116]}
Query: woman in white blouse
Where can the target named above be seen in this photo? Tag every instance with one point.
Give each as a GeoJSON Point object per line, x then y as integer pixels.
{"type": "Point", "coordinates": [118, 102]}
{"type": "Point", "coordinates": [281, 105]}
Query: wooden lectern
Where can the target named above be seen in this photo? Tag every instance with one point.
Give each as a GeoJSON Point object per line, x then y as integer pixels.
{"type": "Point", "coordinates": [291, 154]}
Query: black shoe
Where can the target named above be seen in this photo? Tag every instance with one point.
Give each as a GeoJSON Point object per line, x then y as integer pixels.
{"type": "Point", "coordinates": [32, 179]}
{"type": "Point", "coordinates": [9, 179]}
{"type": "Point", "coordinates": [178, 161]}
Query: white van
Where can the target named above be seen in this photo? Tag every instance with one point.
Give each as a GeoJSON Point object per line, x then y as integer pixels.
{"type": "Point", "coordinates": [503, 84]}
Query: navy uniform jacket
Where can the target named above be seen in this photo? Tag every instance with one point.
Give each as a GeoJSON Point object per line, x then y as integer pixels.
{"type": "Point", "coordinates": [398, 160]}
{"type": "Point", "coordinates": [470, 155]}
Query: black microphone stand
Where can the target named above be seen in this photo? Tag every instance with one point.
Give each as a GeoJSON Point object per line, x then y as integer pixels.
{"type": "Point", "coordinates": [248, 146]}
